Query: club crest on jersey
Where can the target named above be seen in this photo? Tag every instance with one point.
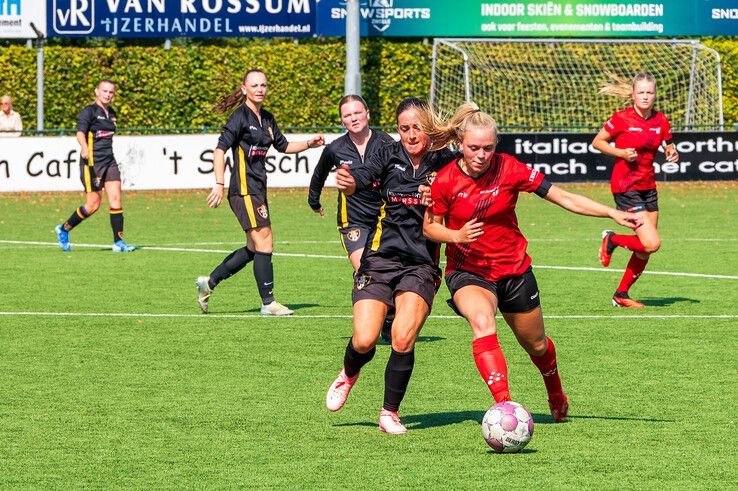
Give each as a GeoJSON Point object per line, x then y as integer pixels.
{"type": "Point", "coordinates": [362, 281]}
{"type": "Point", "coordinates": [431, 177]}
{"type": "Point", "coordinates": [655, 130]}
{"type": "Point", "coordinates": [97, 182]}
{"type": "Point", "coordinates": [263, 211]}
{"type": "Point", "coordinates": [354, 234]}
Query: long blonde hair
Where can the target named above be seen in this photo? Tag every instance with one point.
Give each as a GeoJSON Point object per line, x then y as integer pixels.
{"type": "Point", "coordinates": [623, 89]}
{"type": "Point", "coordinates": [443, 134]}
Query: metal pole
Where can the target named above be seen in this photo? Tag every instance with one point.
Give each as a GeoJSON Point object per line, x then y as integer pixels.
{"type": "Point", "coordinates": [39, 78]}
{"type": "Point", "coordinates": [352, 79]}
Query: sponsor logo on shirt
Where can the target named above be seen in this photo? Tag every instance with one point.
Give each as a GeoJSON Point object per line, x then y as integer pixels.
{"type": "Point", "coordinates": [407, 199]}
{"type": "Point", "coordinates": [494, 191]}
{"type": "Point", "coordinates": [104, 134]}
{"type": "Point", "coordinates": [533, 174]}
{"type": "Point", "coordinates": [253, 128]}
{"type": "Point", "coordinates": [635, 128]}
{"type": "Point", "coordinates": [345, 162]}
{"type": "Point", "coordinates": [258, 151]}
{"type": "Point", "coordinates": [398, 166]}
{"type": "Point", "coordinates": [462, 194]}
{"type": "Point", "coordinates": [655, 130]}
{"type": "Point", "coordinates": [609, 124]}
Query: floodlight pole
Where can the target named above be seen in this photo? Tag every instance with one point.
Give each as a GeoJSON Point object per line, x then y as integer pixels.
{"type": "Point", "coordinates": [39, 78]}
{"type": "Point", "coordinates": [352, 79]}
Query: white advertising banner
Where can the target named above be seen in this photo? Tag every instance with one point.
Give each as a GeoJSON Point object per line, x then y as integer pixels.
{"type": "Point", "coordinates": [146, 162]}
{"type": "Point", "coordinates": [16, 17]}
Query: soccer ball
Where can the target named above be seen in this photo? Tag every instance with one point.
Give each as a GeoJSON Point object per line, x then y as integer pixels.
{"type": "Point", "coordinates": [507, 427]}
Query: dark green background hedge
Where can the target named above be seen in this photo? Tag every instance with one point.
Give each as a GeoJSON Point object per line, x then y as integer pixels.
{"type": "Point", "coordinates": [177, 87]}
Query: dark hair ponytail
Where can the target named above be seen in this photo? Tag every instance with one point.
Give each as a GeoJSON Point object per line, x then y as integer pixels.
{"type": "Point", "coordinates": [236, 98]}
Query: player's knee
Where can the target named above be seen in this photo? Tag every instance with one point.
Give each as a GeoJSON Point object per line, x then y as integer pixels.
{"type": "Point", "coordinates": [362, 343]}
{"type": "Point", "coordinates": [483, 324]}
{"type": "Point", "coordinates": [535, 347]}
{"type": "Point", "coordinates": [92, 206]}
{"type": "Point", "coordinates": [652, 246]}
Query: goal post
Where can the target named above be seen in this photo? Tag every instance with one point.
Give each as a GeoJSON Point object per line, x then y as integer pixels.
{"type": "Point", "coordinates": [553, 84]}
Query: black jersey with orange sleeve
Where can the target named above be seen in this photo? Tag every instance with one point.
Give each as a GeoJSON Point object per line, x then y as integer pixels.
{"type": "Point", "coordinates": [361, 208]}
{"type": "Point", "coordinates": [398, 228]}
{"type": "Point", "coordinates": [98, 126]}
{"type": "Point", "coordinates": [250, 139]}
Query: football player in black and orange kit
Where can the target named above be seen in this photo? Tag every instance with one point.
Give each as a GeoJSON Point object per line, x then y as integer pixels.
{"type": "Point", "coordinates": [249, 133]}
{"type": "Point", "coordinates": [98, 169]}
{"type": "Point", "coordinates": [473, 211]}
{"type": "Point", "coordinates": [639, 132]}
{"type": "Point", "coordinates": [356, 214]}
{"type": "Point", "coordinates": [399, 266]}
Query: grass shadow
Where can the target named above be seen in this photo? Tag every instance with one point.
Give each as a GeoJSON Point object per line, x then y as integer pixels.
{"type": "Point", "coordinates": [616, 418]}
{"type": "Point", "coordinates": [666, 301]}
{"type": "Point", "coordinates": [257, 310]}
{"type": "Point", "coordinates": [421, 339]}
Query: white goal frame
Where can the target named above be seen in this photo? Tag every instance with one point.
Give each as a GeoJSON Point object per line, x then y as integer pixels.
{"type": "Point", "coordinates": [477, 69]}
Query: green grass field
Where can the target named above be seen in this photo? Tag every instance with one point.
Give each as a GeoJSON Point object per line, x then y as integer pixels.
{"type": "Point", "coordinates": [112, 379]}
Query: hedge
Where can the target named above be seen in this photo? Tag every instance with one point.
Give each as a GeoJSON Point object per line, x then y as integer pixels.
{"type": "Point", "coordinates": [177, 87]}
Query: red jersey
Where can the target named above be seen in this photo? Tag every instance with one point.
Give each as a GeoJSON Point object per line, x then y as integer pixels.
{"type": "Point", "coordinates": [630, 130]}
{"type": "Point", "coordinates": [500, 252]}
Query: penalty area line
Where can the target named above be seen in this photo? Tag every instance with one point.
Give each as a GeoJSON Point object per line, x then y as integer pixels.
{"type": "Point", "coordinates": [316, 316]}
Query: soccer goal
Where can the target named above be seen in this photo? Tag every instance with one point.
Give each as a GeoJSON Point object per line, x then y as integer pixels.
{"type": "Point", "coordinates": [552, 84]}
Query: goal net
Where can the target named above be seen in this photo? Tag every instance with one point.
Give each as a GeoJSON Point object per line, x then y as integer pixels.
{"type": "Point", "coordinates": [553, 84]}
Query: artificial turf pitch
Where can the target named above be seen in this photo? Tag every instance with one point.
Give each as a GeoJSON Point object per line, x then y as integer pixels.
{"type": "Point", "coordinates": [112, 378]}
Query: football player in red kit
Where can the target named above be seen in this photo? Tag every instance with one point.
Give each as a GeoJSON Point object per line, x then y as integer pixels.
{"type": "Point", "coordinates": [473, 211]}
{"type": "Point", "coordinates": [638, 132]}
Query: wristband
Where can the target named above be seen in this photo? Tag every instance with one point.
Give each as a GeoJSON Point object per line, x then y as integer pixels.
{"type": "Point", "coordinates": [220, 183]}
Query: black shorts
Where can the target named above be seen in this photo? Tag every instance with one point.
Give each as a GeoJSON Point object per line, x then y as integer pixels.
{"type": "Point", "coordinates": [94, 178]}
{"type": "Point", "coordinates": [514, 294]}
{"type": "Point", "coordinates": [252, 211]}
{"type": "Point", "coordinates": [649, 199]}
{"type": "Point", "coordinates": [380, 279]}
{"type": "Point", "coordinates": [353, 238]}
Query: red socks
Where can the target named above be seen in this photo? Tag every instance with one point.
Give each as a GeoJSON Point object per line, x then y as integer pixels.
{"type": "Point", "coordinates": [634, 269]}
{"type": "Point", "coordinates": [492, 366]}
{"type": "Point", "coordinates": [547, 366]}
{"type": "Point", "coordinates": [630, 242]}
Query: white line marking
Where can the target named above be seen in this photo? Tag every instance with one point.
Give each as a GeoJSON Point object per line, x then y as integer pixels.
{"type": "Point", "coordinates": [321, 256]}
{"type": "Point", "coordinates": [309, 316]}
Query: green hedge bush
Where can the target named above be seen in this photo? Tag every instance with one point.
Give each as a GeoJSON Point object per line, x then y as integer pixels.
{"type": "Point", "coordinates": [176, 88]}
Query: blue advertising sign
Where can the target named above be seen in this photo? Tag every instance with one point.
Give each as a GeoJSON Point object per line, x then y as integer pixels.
{"type": "Point", "coordinates": [181, 18]}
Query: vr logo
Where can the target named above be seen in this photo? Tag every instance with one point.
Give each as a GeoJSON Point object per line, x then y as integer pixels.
{"type": "Point", "coordinates": [74, 16]}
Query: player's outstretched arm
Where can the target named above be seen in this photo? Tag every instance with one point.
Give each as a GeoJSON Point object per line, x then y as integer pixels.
{"type": "Point", "coordinates": [314, 142]}
{"type": "Point", "coordinates": [581, 205]}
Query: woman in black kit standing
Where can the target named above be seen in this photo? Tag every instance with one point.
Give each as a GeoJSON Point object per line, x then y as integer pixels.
{"type": "Point", "coordinates": [356, 214]}
{"type": "Point", "coordinates": [399, 267]}
{"type": "Point", "coordinates": [249, 133]}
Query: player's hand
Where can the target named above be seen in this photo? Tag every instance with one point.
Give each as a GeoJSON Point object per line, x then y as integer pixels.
{"type": "Point", "coordinates": [320, 211]}
{"type": "Point", "coordinates": [469, 232]}
{"type": "Point", "coordinates": [345, 181]}
{"type": "Point", "coordinates": [425, 195]}
{"type": "Point", "coordinates": [84, 153]}
{"type": "Point", "coordinates": [671, 154]}
{"type": "Point", "coordinates": [215, 196]}
{"type": "Point", "coordinates": [627, 219]}
{"type": "Point", "coordinates": [628, 154]}
{"type": "Point", "coordinates": [316, 141]}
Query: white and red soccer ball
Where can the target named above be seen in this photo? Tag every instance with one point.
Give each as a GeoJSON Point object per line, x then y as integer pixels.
{"type": "Point", "coordinates": [507, 427]}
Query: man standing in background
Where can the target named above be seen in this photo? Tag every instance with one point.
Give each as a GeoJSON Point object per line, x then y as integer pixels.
{"type": "Point", "coordinates": [10, 121]}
